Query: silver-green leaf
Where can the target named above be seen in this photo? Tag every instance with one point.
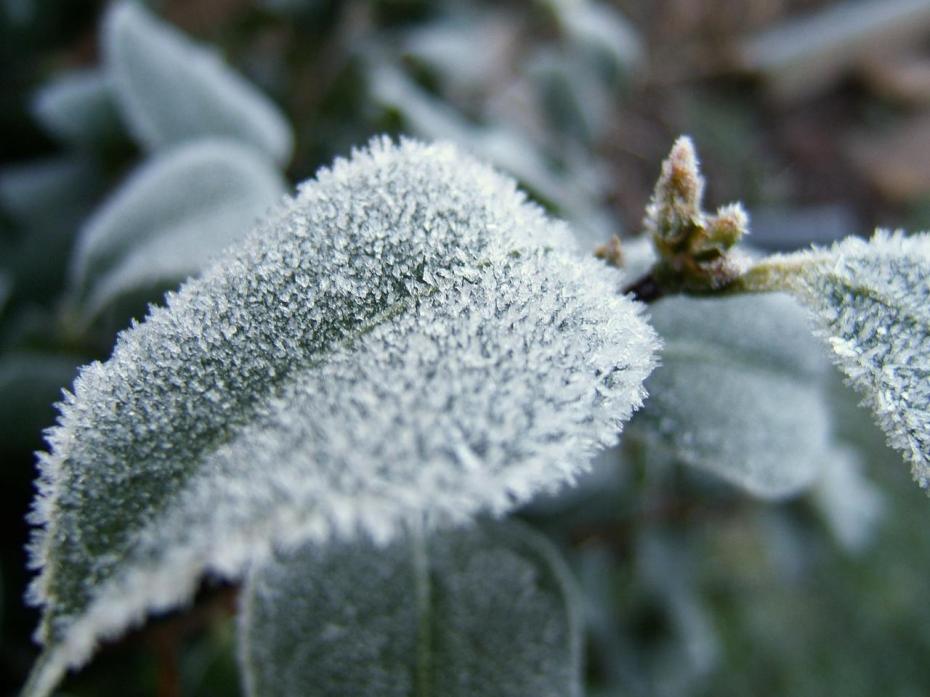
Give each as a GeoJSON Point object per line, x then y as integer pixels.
{"type": "Point", "coordinates": [78, 108]}
{"type": "Point", "coordinates": [172, 216]}
{"type": "Point", "coordinates": [406, 337]}
{"type": "Point", "coordinates": [171, 89]}
{"type": "Point", "coordinates": [741, 393]}
{"type": "Point", "coordinates": [872, 301]}
{"type": "Point", "coordinates": [482, 611]}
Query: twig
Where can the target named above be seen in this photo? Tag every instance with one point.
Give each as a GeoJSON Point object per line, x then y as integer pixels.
{"type": "Point", "coordinates": [646, 289]}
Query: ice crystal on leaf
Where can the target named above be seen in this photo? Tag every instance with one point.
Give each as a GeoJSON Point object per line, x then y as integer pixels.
{"type": "Point", "coordinates": [406, 337]}
{"type": "Point", "coordinates": [872, 299]}
{"type": "Point", "coordinates": [482, 611]}
{"type": "Point", "coordinates": [171, 89]}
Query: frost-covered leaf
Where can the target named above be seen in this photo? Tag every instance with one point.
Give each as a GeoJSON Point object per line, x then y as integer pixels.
{"type": "Point", "coordinates": [173, 215]}
{"type": "Point", "coordinates": [872, 299]}
{"type": "Point", "coordinates": [482, 611]}
{"type": "Point", "coordinates": [740, 392]}
{"type": "Point", "coordinates": [406, 337]}
{"type": "Point", "coordinates": [171, 89]}
{"type": "Point", "coordinates": [78, 108]}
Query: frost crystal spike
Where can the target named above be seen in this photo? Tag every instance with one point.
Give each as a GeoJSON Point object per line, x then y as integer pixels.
{"type": "Point", "coordinates": [406, 338]}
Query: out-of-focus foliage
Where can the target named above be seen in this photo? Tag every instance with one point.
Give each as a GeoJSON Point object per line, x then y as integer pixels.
{"type": "Point", "coordinates": [77, 107]}
{"type": "Point", "coordinates": [488, 610]}
{"type": "Point", "coordinates": [168, 219]}
{"type": "Point", "coordinates": [171, 90]}
{"type": "Point", "coordinates": [730, 369]}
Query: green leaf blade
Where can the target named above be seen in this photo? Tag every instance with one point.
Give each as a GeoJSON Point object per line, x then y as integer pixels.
{"type": "Point", "coordinates": [493, 614]}
{"type": "Point", "coordinates": [740, 393]}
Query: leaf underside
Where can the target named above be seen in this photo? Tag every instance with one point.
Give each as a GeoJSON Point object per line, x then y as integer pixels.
{"type": "Point", "coordinates": [406, 337]}
{"type": "Point", "coordinates": [481, 611]}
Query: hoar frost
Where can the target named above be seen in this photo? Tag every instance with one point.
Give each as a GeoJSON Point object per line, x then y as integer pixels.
{"type": "Point", "coordinates": [406, 338]}
{"type": "Point", "coordinates": [872, 300]}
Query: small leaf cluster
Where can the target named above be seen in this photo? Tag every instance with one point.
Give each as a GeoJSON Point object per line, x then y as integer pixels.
{"type": "Point", "coordinates": [693, 247]}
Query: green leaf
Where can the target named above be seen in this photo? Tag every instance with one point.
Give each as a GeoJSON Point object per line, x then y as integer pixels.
{"type": "Point", "coordinates": [171, 89]}
{"type": "Point", "coordinates": [740, 393]}
{"type": "Point", "coordinates": [406, 337]}
{"type": "Point", "coordinates": [483, 611]}
{"type": "Point", "coordinates": [172, 216]}
{"type": "Point", "coordinates": [78, 108]}
{"type": "Point", "coordinates": [872, 302]}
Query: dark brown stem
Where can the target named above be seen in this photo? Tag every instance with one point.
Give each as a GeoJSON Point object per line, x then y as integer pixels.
{"type": "Point", "coordinates": [646, 289]}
